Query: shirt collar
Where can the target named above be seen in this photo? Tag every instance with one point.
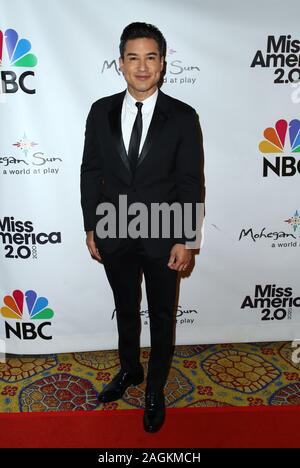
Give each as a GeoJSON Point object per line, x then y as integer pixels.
{"type": "Point", "coordinates": [148, 104]}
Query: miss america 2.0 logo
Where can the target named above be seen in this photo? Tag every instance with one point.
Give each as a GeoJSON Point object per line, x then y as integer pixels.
{"type": "Point", "coordinates": [274, 303]}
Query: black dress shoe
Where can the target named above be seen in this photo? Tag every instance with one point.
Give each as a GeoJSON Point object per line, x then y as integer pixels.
{"type": "Point", "coordinates": [155, 412]}
{"type": "Point", "coordinates": [116, 388]}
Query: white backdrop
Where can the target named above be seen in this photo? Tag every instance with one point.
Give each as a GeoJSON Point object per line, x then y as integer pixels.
{"type": "Point", "coordinates": [252, 224]}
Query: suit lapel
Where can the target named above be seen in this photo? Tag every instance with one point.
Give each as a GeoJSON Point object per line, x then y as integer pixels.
{"type": "Point", "coordinates": [160, 115]}
{"type": "Point", "coordinates": [116, 129]}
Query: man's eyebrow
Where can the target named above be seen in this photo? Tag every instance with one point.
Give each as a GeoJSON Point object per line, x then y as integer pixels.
{"type": "Point", "coordinates": [135, 54]}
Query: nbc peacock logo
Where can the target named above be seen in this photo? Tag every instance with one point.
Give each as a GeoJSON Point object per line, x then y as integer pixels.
{"type": "Point", "coordinates": [17, 49]}
{"type": "Point", "coordinates": [284, 137]}
{"type": "Point", "coordinates": [34, 307]}
{"type": "Point", "coordinates": [15, 52]}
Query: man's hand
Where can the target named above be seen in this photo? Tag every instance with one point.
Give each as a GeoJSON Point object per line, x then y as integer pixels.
{"type": "Point", "coordinates": [180, 257]}
{"type": "Point", "coordinates": [92, 246]}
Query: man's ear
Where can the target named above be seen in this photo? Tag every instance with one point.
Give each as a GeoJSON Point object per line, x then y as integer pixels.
{"type": "Point", "coordinates": [121, 64]}
{"type": "Point", "coordinates": [162, 62]}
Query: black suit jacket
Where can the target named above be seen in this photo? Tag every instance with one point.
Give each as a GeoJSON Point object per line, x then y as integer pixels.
{"type": "Point", "coordinates": [170, 167]}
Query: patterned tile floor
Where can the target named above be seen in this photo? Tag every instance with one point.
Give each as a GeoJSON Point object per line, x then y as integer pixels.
{"type": "Point", "coordinates": [243, 374]}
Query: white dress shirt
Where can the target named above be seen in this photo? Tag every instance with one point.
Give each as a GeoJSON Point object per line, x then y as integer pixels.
{"type": "Point", "coordinates": [129, 112]}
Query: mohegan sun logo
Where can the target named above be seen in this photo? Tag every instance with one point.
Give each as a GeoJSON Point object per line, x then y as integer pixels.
{"type": "Point", "coordinates": [25, 145]}
{"type": "Point", "coordinates": [178, 71]}
{"type": "Point", "coordinates": [28, 160]}
{"type": "Point", "coordinates": [37, 309]}
{"type": "Point", "coordinates": [276, 142]}
{"type": "Point", "coordinates": [271, 236]}
{"type": "Point", "coordinates": [15, 52]}
{"type": "Point", "coordinates": [294, 221]}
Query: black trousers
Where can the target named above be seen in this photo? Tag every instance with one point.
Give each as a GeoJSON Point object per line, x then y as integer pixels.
{"type": "Point", "coordinates": [124, 269]}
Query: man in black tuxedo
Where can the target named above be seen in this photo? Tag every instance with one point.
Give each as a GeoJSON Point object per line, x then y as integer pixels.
{"type": "Point", "coordinates": [148, 146]}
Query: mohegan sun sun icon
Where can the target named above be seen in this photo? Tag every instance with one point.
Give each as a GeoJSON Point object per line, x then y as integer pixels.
{"type": "Point", "coordinates": [37, 307]}
{"type": "Point", "coordinates": [294, 221]}
{"type": "Point", "coordinates": [25, 145]}
{"type": "Point", "coordinates": [17, 49]}
{"type": "Point", "coordinates": [275, 137]}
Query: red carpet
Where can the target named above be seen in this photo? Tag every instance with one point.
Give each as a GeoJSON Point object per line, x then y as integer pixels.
{"type": "Point", "coordinates": [185, 427]}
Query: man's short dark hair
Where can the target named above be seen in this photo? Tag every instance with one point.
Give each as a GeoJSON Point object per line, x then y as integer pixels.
{"type": "Point", "coordinates": [138, 30]}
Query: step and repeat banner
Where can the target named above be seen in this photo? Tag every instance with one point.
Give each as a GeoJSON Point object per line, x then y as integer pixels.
{"type": "Point", "coordinates": [238, 65]}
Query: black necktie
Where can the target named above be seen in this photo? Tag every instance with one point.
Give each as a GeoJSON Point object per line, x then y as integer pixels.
{"type": "Point", "coordinates": [135, 139]}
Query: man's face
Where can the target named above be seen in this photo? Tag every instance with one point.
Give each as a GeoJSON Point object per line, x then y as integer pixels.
{"type": "Point", "coordinates": [141, 66]}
